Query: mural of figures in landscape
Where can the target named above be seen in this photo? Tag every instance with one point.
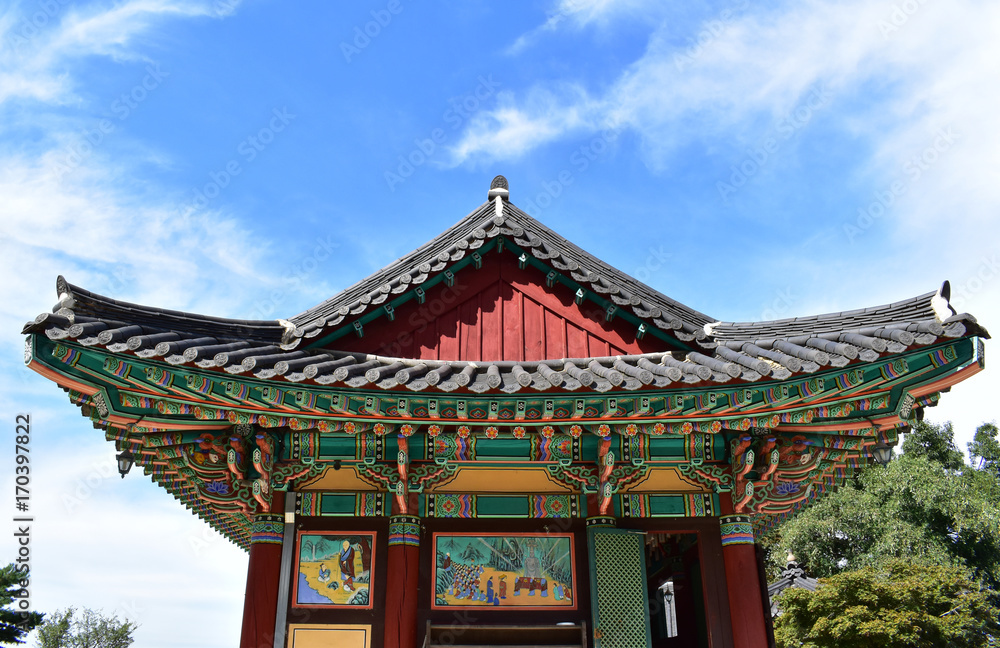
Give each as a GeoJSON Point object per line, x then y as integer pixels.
{"type": "Point", "coordinates": [515, 570]}
{"type": "Point", "coordinates": [334, 569]}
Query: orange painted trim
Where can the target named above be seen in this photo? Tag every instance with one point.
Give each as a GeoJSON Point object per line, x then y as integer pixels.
{"type": "Point", "coordinates": [846, 425]}
{"type": "Point", "coordinates": [61, 379]}
{"type": "Point", "coordinates": [948, 381]}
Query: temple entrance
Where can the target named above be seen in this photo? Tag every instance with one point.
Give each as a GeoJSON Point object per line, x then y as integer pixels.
{"type": "Point", "coordinates": [675, 591]}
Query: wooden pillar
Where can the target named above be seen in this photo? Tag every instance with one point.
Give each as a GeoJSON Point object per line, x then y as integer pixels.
{"type": "Point", "coordinates": [401, 594]}
{"type": "Point", "coordinates": [746, 608]}
{"type": "Point", "coordinates": [260, 603]}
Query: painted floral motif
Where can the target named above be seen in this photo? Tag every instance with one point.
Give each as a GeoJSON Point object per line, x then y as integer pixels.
{"type": "Point", "coordinates": [716, 427]}
{"type": "Point", "coordinates": [406, 430]}
{"type": "Point", "coordinates": [350, 427]}
{"type": "Point", "coordinates": [492, 432]}
{"type": "Point", "coordinates": [604, 430]}
{"type": "Point", "coordinates": [548, 431]}
{"type": "Point", "coordinates": [433, 431]}
{"type": "Point", "coordinates": [519, 432]}
{"type": "Point", "coordinates": [575, 431]}
{"type": "Point", "coordinates": [659, 428]}
{"type": "Point", "coordinates": [380, 429]}
{"type": "Point", "coordinates": [217, 487]}
{"type": "Point", "coordinates": [631, 429]}
{"type": "Point", "coordinates": [687, 428]}
{"type": "Point", "coordinates": [464, 431]}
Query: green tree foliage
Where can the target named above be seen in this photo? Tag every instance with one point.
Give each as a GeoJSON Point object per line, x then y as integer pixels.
{"type": "Point", "coordinates": [903, 605]}
{"type": "Point", "coordinates": [90, 629]}
{"type": "Point", "coordinates": [926, 505]}
{"type": "Point", "coordinates": [14, 623]}
{"type": "Point", "coordinates": [913, 508]}
{"type": "Point", "coordinates": [985, 449]}
{"type": "Point", "coordinates": [936, 442]}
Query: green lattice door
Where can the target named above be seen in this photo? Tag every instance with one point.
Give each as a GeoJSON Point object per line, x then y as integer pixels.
{"type": "Point", "coordinates": [618, 588]}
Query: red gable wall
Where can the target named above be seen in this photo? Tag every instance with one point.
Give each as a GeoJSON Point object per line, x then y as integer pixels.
{"type": "Point", "coordinates": [499, 312]}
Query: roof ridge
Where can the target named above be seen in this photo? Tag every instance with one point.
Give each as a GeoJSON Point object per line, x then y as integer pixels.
{"type": "Point", "coordinates": [354, 291]}
{"type": "Point", "coordinates": [495, 217]}
{"type": "Point", "coordinates": [700, 318]}
{"type": "Point", "coordinates": [85, 302]}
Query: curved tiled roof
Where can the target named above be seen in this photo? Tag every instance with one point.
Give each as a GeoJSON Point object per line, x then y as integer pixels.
{"type": "Point", "coordinates": [746, 352]}
{"type": "Point", "coordinates": [489, 220]}
{"type": "Point", "coordinates": [749, 361]}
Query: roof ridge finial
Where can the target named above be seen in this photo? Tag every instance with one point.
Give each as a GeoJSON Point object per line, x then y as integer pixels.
{"type": "Point", "coordinates": [500, 188]}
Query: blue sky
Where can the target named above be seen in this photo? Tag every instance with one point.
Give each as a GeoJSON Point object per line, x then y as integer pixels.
{"type": "Point", "coordinates": [753, 160]}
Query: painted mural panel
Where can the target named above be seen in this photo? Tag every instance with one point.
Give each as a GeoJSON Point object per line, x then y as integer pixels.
{"type": "Point", "coordinates": [504, 571]}
{"type": "Point", "coordinates": [334, 569]}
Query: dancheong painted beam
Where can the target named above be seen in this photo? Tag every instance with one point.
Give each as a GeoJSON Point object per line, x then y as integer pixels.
{"type": "Point", "coordinates": [495, 380]}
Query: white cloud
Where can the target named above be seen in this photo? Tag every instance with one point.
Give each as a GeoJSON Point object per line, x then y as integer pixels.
{"type": "Point", "coordinates": [745, 66]}
{"type": "Point", "coordinates": [577, 14]}
{"type": "Point", "coordinates": [509, 131]}
{"type": "Point", "coordinates": [102, 542]}
{"type": "Point", "coordinates": [36, 43]}
{"type": "Point", "coordinates": [909, 82]}
{"type": "Point", "coordinates": [83, 209]}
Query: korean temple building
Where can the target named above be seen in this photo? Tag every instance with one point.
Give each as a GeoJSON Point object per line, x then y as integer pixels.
{"type": "Point", "coordinates": [498, 439]}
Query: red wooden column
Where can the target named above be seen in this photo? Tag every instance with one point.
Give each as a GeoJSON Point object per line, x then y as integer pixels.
{"type": "Point", "coordinates": [260, 604]}
{"type": "Point", "coordinates": [746, 608]}
{"type": "Point", "coordinates": [401, 590]}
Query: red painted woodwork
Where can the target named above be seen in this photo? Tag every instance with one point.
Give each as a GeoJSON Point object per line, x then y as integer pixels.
{"type": "Point", "coordinates": [401, 597]}
{"type": "Point", "coordinates": [746, 607]}
{"type": "Point", "coordinates": [260, 603]}
{"type": "Point", "coordinates": [499, 312]}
